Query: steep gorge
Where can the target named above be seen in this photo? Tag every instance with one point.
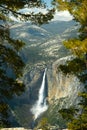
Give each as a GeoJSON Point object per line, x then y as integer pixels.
{"type": "Point", "coordinates": [62, 85]}
{"type": "Point", "coordinates": [49, 53]}
{"type": "Point", "coordinates": [62, 92]}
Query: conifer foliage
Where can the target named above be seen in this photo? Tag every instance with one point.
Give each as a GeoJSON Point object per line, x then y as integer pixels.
{"type": "Point", "coordinates": [78, 9]}
{"type": "Point", "coordinates": [78, 46]}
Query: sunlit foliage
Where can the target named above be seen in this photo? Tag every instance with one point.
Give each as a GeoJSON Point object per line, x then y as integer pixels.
{"type": "Point", "coordinates": [78, 9]}
{"type": "Point", "coordinates": [43, 124]}
{"type": "Point", "coordinates": [75, 66]}
{"type": "Point", "coordinates": [77, 46]}
{"type": "Point", "coordinates": [78, 66]}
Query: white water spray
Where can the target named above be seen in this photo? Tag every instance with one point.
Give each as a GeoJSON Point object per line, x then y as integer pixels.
{"type": "Point", "coordinates": [40, 105]}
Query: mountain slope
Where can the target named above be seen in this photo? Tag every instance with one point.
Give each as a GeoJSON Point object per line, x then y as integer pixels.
{"type": "Point", "coordinates": [38, 54]}
{"type": "Point", "coordinates": [29, 33]}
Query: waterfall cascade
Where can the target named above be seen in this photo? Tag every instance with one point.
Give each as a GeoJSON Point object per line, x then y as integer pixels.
{"type": "Point", "coordinates": [40, 106]}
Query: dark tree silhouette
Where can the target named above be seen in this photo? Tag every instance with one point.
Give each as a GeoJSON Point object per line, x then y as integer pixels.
{"type": "Point", "coordinates": [12, 6]}
{"type": "Point", "coordinates": [11, 64]}
{"type": "Point", "coordinates": [77, 66]}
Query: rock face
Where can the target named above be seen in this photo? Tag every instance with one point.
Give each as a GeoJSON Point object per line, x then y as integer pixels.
{"type": "Point", "coordinates": [62, 91]}
{"type": "Point", "coordinates": [60, 85]}
{"type": "Point", "coordinates": [38, 55]}
{"type": "Point", "coordinates": [21, 105]}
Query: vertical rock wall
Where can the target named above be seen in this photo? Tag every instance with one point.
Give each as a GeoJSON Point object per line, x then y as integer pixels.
{"type": "Point", "coordinates": [60, 85]}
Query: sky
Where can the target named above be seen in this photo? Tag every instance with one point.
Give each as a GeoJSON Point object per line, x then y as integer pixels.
{"type": "Point", "coordinates": [59, 15]}
{"type": "Point", "coordinates": [48, 3]}
{"type": "Point", "coordinates": [62, 16]}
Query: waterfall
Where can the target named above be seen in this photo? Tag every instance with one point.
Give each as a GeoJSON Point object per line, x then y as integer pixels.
{"type": "Point", "coordinates": [40, 106]}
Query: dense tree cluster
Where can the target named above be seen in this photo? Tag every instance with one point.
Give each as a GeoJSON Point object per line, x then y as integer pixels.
{"type": "Point", "coordinates": [11, 64]}
{"type": "Point", "coordinates": [77, 8]}
{"type": "Point", "coordinates": [77, 120]}
{"type": "Point", "coordinates": [12, 7]}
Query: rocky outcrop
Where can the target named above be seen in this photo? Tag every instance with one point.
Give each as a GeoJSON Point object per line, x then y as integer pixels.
{"type": "Point", "coordinates": [62, 91]}
{"type": "Point", "coordinates": [21, 105]}
{"type": "Point", "coordinates": [38, 55]}
{"type": "Point", "coordinates": [60, 85]}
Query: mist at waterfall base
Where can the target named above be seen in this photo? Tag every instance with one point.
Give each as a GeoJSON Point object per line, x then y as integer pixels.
{"type": "Point", "coordinates": [41, 104]}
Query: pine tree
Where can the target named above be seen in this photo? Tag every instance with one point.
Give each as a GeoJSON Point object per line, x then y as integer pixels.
{"type": "Point", "coordinates": [12, 6]}
{"type": "Point", "coordinates": [77, 8]}
{"type": "Point", "coordinates": [78, 46]}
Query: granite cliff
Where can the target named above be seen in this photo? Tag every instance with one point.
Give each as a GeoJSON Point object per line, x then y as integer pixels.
{"type": "Point", "coordinates": [61, 85]}
{"type": "Point", "coordinates": [61, 90]}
